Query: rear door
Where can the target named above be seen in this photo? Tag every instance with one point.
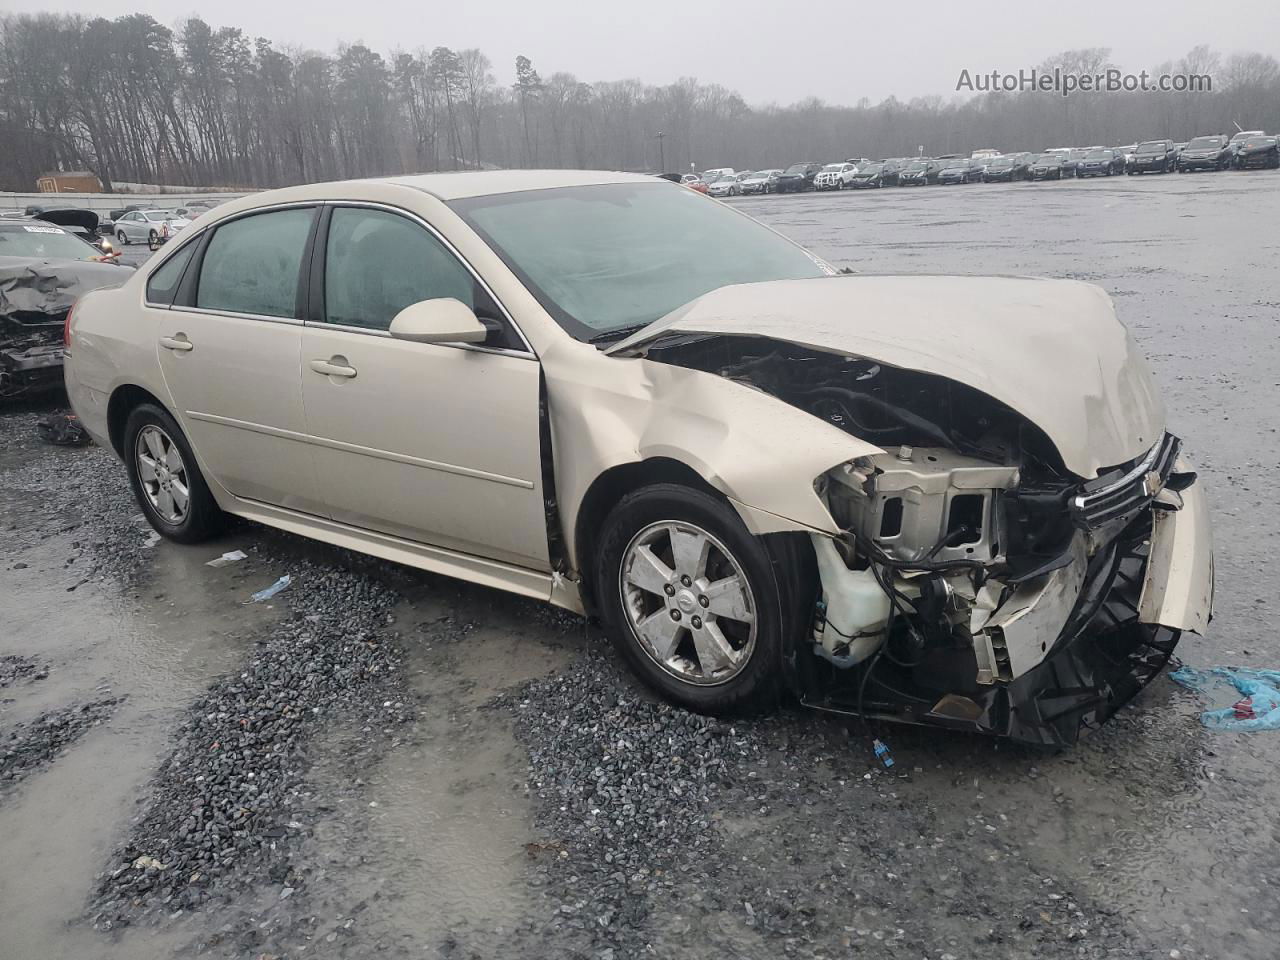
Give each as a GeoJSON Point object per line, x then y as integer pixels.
{"type": "Point", "coordinates": [437, 443]}
{"type": "Point", "coordinates": [229, 350]}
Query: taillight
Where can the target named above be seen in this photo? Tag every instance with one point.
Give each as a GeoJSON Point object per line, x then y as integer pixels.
{"type": "Point", "coordinates": [66, 329]}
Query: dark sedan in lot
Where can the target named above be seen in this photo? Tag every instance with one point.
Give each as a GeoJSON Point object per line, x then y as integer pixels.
{"type": "Point", "coordinates": [959, 171]}
{"type": "Point", "coordinates": [1153, 156]}
{"type": "Point", "coordinates": [1047, 166]}
{"type": "Point", "coordinates": [1205, 153]}
{"type": "Point", "coordinates": [1258, 153]}
{"type": "Point", "coordinates": [869, 176]}
{"type": "Point", "coordinates": [915, 174]}
{"type": "Point", "coordinates": [797, 178]}
{"type": "Point", "coordinates": [1100, 163]}
{"type": "Point", "coordinates": [1007, 168]}
{"type": "Point", "coordinates": [889, 172]}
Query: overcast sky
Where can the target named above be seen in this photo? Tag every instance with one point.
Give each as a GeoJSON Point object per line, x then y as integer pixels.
{"type": "Point", "coordinates": [768, 50]}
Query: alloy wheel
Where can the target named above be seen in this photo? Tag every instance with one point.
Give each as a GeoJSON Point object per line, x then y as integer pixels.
{"type": "Point", "coordinates": [688, 602]}
{"type": "Point", "coordinates": [162, 474]}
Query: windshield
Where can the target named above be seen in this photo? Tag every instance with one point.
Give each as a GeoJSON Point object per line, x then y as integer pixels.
{"type": "Point", "coordinates": [871, 169]}
{"type": "Point", "coordinates": [797, 168]}
{"type": "Point", "coordinates": [916, 166]}
{"type": "Point", "coordinates": [47, 242]}
{"type": "Point", "coordinates": [1154, 146]}
{"type": "Point", "coordinates": [1099, 155]}
{"type": "Point", "coordinates": [1049, 158]}
{"type": "Point", "coordinates": [1204, 143]}
{"type": "Point", "coordinates": [834, 167]}
{"type": "Point", "coordinates": [1000, 164]}
{"type": "Point", "coordinates": [957, 165]}
{"type": "Point", "coordinates": [615, 256]}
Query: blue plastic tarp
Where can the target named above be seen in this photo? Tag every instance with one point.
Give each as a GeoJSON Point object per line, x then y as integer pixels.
{"type": "Point", "coordinates": [1260, 708]}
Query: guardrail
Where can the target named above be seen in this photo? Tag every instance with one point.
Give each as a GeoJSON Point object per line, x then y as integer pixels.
{"type": "Point", "coordinates": [102, 202]}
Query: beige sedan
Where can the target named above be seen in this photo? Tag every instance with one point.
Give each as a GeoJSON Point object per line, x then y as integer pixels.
{"type": "Point", "coordinates": [942, 500]}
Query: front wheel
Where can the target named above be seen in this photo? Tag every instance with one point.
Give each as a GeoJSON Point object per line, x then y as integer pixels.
{"type": "Point", "coordinates": [122, 237]}
{"type": "Point", "coordinates": [165, 478]}
{"type": "Point", "coordinates": [691, 600]}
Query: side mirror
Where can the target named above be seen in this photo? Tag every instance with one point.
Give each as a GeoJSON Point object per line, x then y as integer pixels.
{"type": "Point", "coordinates": [442, 320]}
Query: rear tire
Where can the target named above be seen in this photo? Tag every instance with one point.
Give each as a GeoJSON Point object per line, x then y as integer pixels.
{"type": "Point", "coordinates": [165, 478]}
{"type": "Point", "coordinates": [692, 600]}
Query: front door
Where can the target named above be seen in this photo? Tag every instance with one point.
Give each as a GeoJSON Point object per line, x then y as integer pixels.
{"type": "Point", "coordinates": [230, 354]}
{"type": "Point", "coordinates": [438, 443]}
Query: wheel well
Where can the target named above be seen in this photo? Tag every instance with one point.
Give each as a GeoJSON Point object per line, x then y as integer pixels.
{"type": "Point", "coordinates": [122, 403]}
{"type": "Point", "coordinates": [605, 493]}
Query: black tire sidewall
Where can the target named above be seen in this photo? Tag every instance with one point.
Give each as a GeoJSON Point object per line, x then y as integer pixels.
{"type": "Point", "coordinates": [756, 687]}
{"type": "Point", "coordinates": [204, 518]}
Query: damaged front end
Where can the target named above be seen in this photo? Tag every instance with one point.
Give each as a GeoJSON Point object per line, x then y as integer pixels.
{"type": "Point", "coordinates": [30, 354]}
{"type": "Point", "coordinates": [976, 582]}
{"type": "Point", "coordinates": [35, 297]}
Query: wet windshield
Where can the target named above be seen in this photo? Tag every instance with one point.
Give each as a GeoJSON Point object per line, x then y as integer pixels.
{"type": "Point", "coordinates": [42, 240]}
{"type": "Point", "coordinates": [1204, 143]}
{"type": "Point", "coordinates": [1152, 147]}
{"type": "Point", "coordinates": [613, 256]}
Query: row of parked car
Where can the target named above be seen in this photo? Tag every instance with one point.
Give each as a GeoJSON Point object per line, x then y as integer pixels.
{"type": "Point", "coordinates": [1247, 150]}
{"type": "Point", "coordinates": [133, 223]}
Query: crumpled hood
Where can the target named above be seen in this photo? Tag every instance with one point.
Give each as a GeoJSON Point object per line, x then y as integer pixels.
{"type": "Point", "coordinates": [37, 286]}
{"type": "Point", "coordinates": [1053, 350]}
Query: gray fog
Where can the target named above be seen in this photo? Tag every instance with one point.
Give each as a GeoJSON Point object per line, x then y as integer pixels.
{"type": "Point", "coordinates": [767, 51]}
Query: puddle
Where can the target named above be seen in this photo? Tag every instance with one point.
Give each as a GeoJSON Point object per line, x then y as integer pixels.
{"type": "Point", "coordinates": [157, 648]}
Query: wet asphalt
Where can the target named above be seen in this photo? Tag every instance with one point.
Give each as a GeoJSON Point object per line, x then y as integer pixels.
{"type": "Point", "coordinates": [493, 785]}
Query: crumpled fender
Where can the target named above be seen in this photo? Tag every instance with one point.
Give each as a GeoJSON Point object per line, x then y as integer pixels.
{"type": "Point", "coordinates": [756, 450]}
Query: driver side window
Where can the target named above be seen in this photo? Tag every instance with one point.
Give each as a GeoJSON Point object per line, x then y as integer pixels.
{"type": "Point", "coordinates": [377, 263]}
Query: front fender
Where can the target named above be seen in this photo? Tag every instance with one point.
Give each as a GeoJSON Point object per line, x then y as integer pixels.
{"type": "Point", "coordinates": [760, 453]}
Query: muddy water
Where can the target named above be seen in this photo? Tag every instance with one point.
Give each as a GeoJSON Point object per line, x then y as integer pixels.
{"type": "Point", "coordinates": [157, 647]}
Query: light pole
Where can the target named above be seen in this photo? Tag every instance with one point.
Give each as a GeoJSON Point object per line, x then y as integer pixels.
{"type": "Point", "coordinates": [662, 159]}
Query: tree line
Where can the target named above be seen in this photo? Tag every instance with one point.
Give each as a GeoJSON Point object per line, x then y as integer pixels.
{"type": "Point", "coordinates": [135, 101]}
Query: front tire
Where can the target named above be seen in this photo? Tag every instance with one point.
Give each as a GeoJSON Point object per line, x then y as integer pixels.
{"type": "Point", "coordinates": [122, 237]}
{"type": "Point", "coordinates": [692, 600]}
{"type": "Point", "coordinates": [165, 478]}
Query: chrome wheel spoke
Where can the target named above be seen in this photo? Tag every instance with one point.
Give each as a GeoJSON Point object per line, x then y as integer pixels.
{"type": "Point", "coordinates": [728, 598]}
{"type": "Point", "coordinates": [164, 502]}
{"type": "Point", "coordinates": [151, 437]}
{"type": "Point", "coordinates": [146, 468]}
{"type": "Point", "coordinates": [648, 572]}
{"type": "Point", "coordinates": [172, 458]}
{"type": "Point", "coordinates": [181, 497]}
{"type": "Point", "coordinates": [714, 650]}
{"type": "Point", "coordinates": [689, 550]}
{"type": "Point", "coordinates": [661, 633]}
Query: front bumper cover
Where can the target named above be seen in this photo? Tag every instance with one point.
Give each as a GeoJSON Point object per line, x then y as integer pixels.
{"type": "Point", "coordinates": [1151, 583]}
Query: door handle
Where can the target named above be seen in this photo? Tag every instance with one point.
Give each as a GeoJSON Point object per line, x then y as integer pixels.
{"type": "Point", "coordinates": [179, 343]}
{"type": "Point", "coordinates": [334, 367]}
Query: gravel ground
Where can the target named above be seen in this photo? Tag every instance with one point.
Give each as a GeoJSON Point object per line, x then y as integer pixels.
{"type": "Point", "coordinates": [33, 745]}
{"type": "Point", "coordinates": [383, 763]}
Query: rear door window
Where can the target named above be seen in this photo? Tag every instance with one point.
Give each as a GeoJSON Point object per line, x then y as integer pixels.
{"type": "Point", "coordinates": [252, 264]}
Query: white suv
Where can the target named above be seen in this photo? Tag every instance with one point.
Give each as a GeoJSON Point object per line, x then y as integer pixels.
{"type": "Point", "coordinates": [835, 176]}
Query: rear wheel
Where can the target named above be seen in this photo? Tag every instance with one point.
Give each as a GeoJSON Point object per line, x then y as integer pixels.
{"type": "Point", "coordinates": [165, 478]}
{"type": "Point", "coordinates": [692, 600]}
